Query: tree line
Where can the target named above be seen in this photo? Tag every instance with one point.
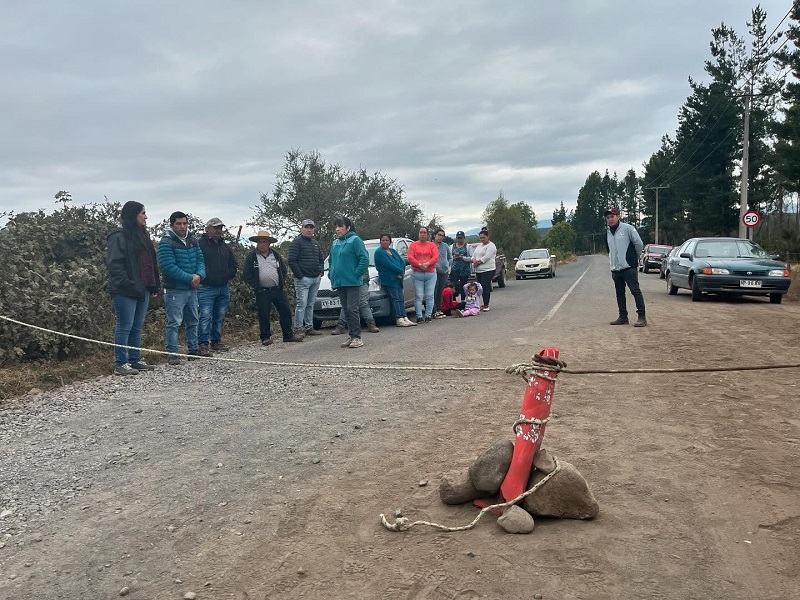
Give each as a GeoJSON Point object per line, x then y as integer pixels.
{"type": "Point", "coordinates": [696, 171]}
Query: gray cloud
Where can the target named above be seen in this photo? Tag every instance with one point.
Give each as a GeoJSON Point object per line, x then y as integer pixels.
{"type": "Point", "coordinates": [193, 105]}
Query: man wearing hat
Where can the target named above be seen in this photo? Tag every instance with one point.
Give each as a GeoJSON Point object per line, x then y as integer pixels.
{"type": "Point", "coordinates": [307, 264]}
{"type": "Point", "coordinates": [462, 263]}
{"type": "Point", "coordinates": [265, 270]}
{"type": "Point", "coordinates": [624, 247]}
{"type": "Point", "coordinates": [214, 295]}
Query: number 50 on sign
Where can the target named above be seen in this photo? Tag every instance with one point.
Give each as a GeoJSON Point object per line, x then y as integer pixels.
{"type": "Point", "coordinates": [751, 218]}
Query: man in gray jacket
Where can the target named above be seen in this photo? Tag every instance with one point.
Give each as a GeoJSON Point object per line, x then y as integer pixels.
{"type": "Point", "coordinates": [624, 247]}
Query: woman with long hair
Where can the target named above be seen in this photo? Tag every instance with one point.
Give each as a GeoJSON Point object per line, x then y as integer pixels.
{"type": "Point", "coordinates": [132, 280]}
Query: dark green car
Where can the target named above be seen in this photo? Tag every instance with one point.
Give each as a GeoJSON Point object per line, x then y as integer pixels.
{"type": "Point", "coordinates": [726, 266]}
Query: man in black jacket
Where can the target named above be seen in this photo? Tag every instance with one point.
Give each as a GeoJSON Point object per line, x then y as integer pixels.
{"type": "Point", "coordinates": [214, 295]}
{"type": "Point", "coordinates": [307, 263]}
{"type": "Point", "coordinates": [265, 270]}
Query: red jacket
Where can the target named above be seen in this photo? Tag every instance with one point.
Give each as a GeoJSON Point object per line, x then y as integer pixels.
{"type": "Point", "coordinates": [419, 252]}
{"type": "Point", "coordinates": [448, 299]}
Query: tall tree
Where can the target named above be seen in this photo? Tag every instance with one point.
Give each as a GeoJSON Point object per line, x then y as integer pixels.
{"type": "Point", "coordinates": [513, 227]}
{"type": "Point", "coordinates": [559, 215]}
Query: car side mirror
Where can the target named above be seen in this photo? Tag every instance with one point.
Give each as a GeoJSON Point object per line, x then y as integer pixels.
{"type": "Point", "coordinates": [516, 258]}
{"type": "Point", "coordinates": [685, 255]}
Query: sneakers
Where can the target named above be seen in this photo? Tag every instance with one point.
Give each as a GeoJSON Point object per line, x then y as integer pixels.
{"type": "Point", "coordinates": [125, 370]}
{"type": "Point", "coordinates": [266, 342]}
{"type": "Point", "coordinates": [403, 323]}
{"type": "Point", "coordinates": [174, 360]}
{"type": "Point", "coordinates": [485, 309]}
{"type": "Point", "coordinates": [193, 354]}
{"type": "Point", "coordinates": [640, 322]}
{"type": "Point", "coordinates": [457, 313]}
{"type": "Point", "coordinates": [419, 320]}
{"type": "Point", "coordinates": [338, 330]}
{"type": "Point", "coordinates": [140, 365]}
{"type": "Point", "coordinates": [204, 350]}
{"type": "Point", "coordinates": [356, 343]}
{"type": "Point", "coordinates": [312, 331]}
{"type": "Point", "coordinates": [409, 322]}
{"type": "Point", "coordinates": [372, 328]}
{"type": "Point", "coordinates": [347, 342]}
{"type": "Point", "coordinates": [427, 320]}
{"type": "Point", "coordinates": [220, 347]}
{"type": "Point", "coordinates": [439, 315]}
{"type": "Point", "coordinates": [620, 321]}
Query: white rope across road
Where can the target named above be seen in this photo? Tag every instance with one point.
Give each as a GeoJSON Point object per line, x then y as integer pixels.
{"type": "Point", "coordinates": [388, 367]}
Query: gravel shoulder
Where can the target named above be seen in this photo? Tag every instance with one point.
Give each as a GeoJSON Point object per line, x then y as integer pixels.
{"type": "Point", "coordinates": [245, 481]}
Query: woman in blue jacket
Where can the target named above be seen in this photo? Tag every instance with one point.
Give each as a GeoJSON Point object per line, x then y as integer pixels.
{"type": "Point", "coordinates": [391, 270]}
{"type": "Point", "coordinates": [349, 262]}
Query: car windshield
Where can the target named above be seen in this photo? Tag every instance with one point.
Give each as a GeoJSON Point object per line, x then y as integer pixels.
{"type": "Point", "coordinates": [661, 251]}
{"type": "Point", "coordinates": [729, 249]}
{"type": "Point", "coordinates": [528, 254]}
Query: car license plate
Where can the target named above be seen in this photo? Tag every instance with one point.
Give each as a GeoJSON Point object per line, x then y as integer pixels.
{"type": "Point", "coordinates": [750, 283]}
{"type": "Point", "coordinates": [330, 303]}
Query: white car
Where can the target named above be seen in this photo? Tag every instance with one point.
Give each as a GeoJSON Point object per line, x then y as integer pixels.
{"type": "Point", "coordinates": [327, 305]}
{"type": "Point", "coordinates": [536, 262]}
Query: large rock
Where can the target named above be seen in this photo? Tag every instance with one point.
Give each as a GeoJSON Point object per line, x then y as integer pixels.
{"type": "Point", "coordinates": [516, 520]}
{"type": "Point", "coordinates": [456, 488]}
{"type": "Point", "coordinates": [490, 468]}
{"type": "Point", "coordinates": [565, 495]}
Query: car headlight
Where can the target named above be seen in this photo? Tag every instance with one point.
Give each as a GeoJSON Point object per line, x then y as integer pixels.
{"type": "Point", "coordinates": [715, 271]}
{"type": "Point", "coordinates": [779, 273]}
{"type": "Point", "coordinates": [374, 284]}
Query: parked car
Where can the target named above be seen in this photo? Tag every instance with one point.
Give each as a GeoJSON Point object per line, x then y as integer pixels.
{"type": "Point", "coordinates": [726, 266]}
{"type": "Point", "coordinates": [652, 256]}
{"type": "Point", "coordinates": [327, 305]}
{"type": "Point", "coordinates": [499, 269]}
{"type": "Point", "coordinates": [663, 269]}
{"type": "Point", "coordinates": [536, 262]}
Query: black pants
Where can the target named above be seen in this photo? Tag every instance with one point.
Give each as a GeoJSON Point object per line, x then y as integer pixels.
{"type": "Point", "coordinates": [441, 283]}
{"type": "Point", "coordinates": [629, 277]}
{"type": "Point", "coordinates": [485, 279]}
{"type": "Point", "coordinates": [351, 303]}
{"type": "Point", "coordinates": [459, 306]}
{"type": "Point", "coordinates": [460, 281]}
{"type": "Point", "coordinates": [265, 298]}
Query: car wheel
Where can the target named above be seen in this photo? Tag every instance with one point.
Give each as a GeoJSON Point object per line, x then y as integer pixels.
{"type": "Point", "coordinates": [775, 298]}
{"type": "Point", "coordinates": [661, 275]}
{"type": "Point", "coordinates": [671, 289]}
{"type": "Point", "coordinates": [697, 295]}
{"type": "Point", "coordinates": [645, 270]}
{"type": "Point", "coordinates": [501, 279]}
{"type": "Point", "coordinates": [317, 324]}
{"type": "Point", "coordinates": [518, 277]}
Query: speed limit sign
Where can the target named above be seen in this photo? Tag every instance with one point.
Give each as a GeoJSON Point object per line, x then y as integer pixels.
{"type": "Point", "coordinates": [751, 218]}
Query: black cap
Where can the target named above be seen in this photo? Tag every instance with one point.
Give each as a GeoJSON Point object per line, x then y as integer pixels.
{"type": "Point", "coordinates": [459, 234]}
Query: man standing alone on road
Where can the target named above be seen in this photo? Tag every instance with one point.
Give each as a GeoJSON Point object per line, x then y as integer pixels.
{"type": "Point", "coordinates": [182, 265]}
{"type": "Point", "coordinates": [443, 264]}
{"type": "Point", "coordinates": [214, 295]}
{"type": "Point", "coordinates": [624, 247]}
{"type": "Point", "coordinates": [307, 263]}
{"type": "Point", "coordinates": [265, 270]}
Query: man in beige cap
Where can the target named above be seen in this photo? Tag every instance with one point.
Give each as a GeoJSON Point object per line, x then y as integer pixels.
{"type": "Point", "coordinates": [265, 270]}
{"type": "Point", "coordinates": [214, 295]}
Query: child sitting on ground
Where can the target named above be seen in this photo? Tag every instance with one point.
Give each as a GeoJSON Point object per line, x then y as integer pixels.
{"type": "Point", "coordinates": [449, 299]}
{"type": "Point", "coordinates": [472, 305]}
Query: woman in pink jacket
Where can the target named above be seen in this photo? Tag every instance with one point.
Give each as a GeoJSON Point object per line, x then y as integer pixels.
{"type": "Point", "coordinates": [422, 256]}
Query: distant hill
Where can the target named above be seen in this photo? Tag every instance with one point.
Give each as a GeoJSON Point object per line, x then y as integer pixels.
{"type": "Point", "coordinates": [544, 225]}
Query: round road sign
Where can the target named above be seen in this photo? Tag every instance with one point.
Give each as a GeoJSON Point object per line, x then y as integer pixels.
{"type": "Point", "coordinates": [751, 218]}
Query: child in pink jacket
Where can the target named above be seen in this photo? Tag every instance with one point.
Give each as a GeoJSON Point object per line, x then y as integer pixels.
{"type": "Point", "coordinates": [472, 305]}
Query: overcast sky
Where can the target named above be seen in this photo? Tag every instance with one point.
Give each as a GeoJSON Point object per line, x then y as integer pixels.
{"type": "Point", "coordinates": [192, 105]}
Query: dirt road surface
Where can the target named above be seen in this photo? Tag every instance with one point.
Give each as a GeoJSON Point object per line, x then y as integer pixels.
{"type": "Point", "coordinates": [244, 481]}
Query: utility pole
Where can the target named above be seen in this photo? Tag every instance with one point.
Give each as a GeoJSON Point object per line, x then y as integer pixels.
{"type": "Point", "coordinates": [656, 188]}
{"type": "Point", "coordinates": [743, 230]}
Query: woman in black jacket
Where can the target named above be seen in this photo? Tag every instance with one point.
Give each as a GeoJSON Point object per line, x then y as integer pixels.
{"type": "Point", "coordinates": [132, 280]}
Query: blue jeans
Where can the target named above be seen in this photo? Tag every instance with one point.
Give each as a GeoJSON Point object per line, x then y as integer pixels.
{"type": "Point", "coordinates": [396, 299]}
{"type": "Point", "coordinates": [305, 292]}
{"type": "Point", "coordinates": [213, 301]}
{"type": "Point", "coordinates": [128, 332]}
{"type": "Point", "coordinates": [424, 285]}
{"type": "Point", "coordinates": [181, 307]}
{"type": "Point", "coordinates": [363, 307]}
